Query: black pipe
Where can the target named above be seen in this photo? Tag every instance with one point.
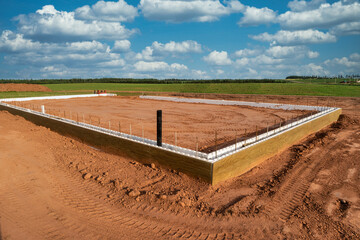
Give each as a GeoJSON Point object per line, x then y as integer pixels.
{"type": "Point", "coordinates": [159, 127]}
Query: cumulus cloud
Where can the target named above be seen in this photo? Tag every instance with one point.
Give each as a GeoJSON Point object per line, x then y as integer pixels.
{"type": "Point", "coordinates": [23, 51]}
{"type": "Point", "coordinates": [12, 42]}
{"type": "Point", "coordinates": [218, 58]}
{"type": "Point", "coordinates": [300, 6]}
{"type": "Point", "coordinates": [351, 28]}
{"type": "Point", "coordinates": [48, 24]}
{"type": "Point", "coordinates": [327, 15]}
{"type": "Point", "coordinates": [188, 10]}
{"type": "Point", "coordinates": [172, 48]}
{"type": "Point", "coordinates": [296, 37]}
{"type": "Point", "coordinates": [121, 46]}
{"type": "Point", "coordinates": [291, 52]}
{"type": "Point", "coordinates": [118, 11]}
{"type": "Point", "coordinates": [246, 52]}
{"type": "Point", "coordinates": [177, 47]}
{"type": "Point", "coordinates": [355, 57]}
{"type": "Point", "coordinates": [311, 54]}
{"type": "Point", "coordinates": [344, 61]}
{"type": "Point", "coordinates": [255, 16]}
{"type": "Point", "coordinates": [142, 66]}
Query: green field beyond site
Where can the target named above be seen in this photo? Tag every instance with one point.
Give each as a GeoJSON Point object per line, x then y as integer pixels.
{"type": "Point", "coordinates": [291, 88]}
{"type": "Point", "coordinates": [226, 88]}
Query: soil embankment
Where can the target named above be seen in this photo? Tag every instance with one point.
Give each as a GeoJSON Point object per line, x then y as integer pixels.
{"type": "Point", "coordinates": [17, 87]}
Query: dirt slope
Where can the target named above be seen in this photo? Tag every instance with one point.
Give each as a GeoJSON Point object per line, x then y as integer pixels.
{"type": "Point", "coordinates": [19, 87]}
{"type": "Point", "coordinates": [310, 191]}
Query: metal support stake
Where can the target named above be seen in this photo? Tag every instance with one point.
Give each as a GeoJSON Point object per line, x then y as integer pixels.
{"type": "Point", "coordinates": [175, 138]}
{"type": "Point", "coordinates": [159, 127]}
{"type": "Point", "coordinates": [245, 138]}
{"type": "Point", "coordinates": [235, 140]}
{"type": "Point", "coordinates": [197, 146]}
{"type": "Point", "coordinates": [143, 133]}
{"type": "Point", "coordinates": [256, 133]}
{"type": "Point", "coordinates": [215, 143]}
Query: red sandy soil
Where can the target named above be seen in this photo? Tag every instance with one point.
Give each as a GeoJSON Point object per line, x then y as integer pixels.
{"type": "Point", "coordinates": [17, 87]}
{"type": "Point", "coordinates": [188, 120]}
{"type": "Point", "coordinates": [53, 187]}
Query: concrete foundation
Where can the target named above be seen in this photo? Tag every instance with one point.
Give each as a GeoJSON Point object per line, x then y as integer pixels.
{"type": "Point", "coordinates": [227, 164]}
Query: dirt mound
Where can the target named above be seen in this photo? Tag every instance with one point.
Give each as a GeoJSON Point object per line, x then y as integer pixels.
{"type": "Point", "coordinates": [19, 87]}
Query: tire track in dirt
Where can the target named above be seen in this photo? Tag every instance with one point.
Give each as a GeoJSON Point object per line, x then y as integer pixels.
{"type": "Point", "coordinates": [291, 194]}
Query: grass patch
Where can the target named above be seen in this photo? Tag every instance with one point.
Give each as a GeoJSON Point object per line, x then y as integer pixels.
{"type": "Point", "coordinates": [229, 88]}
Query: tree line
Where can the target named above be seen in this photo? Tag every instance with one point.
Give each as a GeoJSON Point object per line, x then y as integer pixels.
{"type": "Point", "coordinates": [144, 80]}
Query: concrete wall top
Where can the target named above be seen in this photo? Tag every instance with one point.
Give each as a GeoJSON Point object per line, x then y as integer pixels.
{"type": "Point", "coordinates": [56, 97]}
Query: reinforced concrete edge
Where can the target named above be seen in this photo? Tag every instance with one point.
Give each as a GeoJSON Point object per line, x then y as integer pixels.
{"type": "Point", "coordinates": [245, 160]}
{"type": "Point", "coordinates": [123, 147]}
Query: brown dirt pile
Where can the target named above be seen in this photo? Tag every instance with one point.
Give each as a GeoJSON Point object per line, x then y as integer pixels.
{"type": "Point", "coordinates": [19, 87]}
{"type": "Point", "coordinates": [52, 186]}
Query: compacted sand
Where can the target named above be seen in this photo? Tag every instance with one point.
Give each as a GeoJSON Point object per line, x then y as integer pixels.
{"type": "Point", "coordinates": [53, 187]}
{"type": "Point", "coordinates": [194, 124]}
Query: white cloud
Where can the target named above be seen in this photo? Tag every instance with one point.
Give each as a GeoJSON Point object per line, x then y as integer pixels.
{"type": "Point", "coordinates": [312, 54]}
{"type": "Point", "coordinates": [48, 24]}
{"type": "Point", "coordinates": [219, 71]}
{"type": "Point", "coordinates": [242, 62]}
{"type": "Point", "coordinates": [312, 69]}
{"type": "Point", "coordinates": [11, 42]}
{"type": "Point", "coordinates": [142, 66]}
{"type": "Point", "coordinates": [296, 37]}
{"type": "Point", "coordinates": [344, 65]}
{"type": "Point", "coordinates": [264, 59]}
{"type": "Point", "coordinates": [177, 47]}
{"type": "Point", "coordinates": [118, 11]}
{"type": "Point", "coordinates": [291, 52]}
{"type": "Point", "coordinates": [246, 52]}
{"type": "Point", "coordinates": [199, 74]}
{"type": "Point", "coordinates": [218, 58]}
{"type": "Point", "coordinates": [255, 16]}
{"type": "Point", "coordinates": [121, 46]}
{"type": "Point", "coordinates": [300, 6]}
{"type": "Point", "coordinates": [157, 49]}
{"type": "Point", "coordinates": [113, 63]}
{"type": "Point", "coordinates": [87, 46]}
{"type": "Point", "coordinates": [23, 51]}
{"type": "Point", "coordinates": [188, 10]}
{"type": "Point", "coordinates": [355, 57]}
{"type": "Point", "coordinates": [327, 15]}
{"type": "Point", "coordinates": [351, 28]}
{"type": "Point", "coordinates": [145, 54]}
{"type": "Point", "coordinates": [344, 61]}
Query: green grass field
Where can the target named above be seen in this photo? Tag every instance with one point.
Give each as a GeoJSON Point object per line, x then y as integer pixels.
{"type": "Point", "coordinates": [314, 89]}
{"type": "Point", "coordinates": [229, 88]}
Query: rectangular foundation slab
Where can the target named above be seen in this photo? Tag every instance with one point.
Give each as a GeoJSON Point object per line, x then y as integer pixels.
{"type": "Point", "coordinates": [211, 171]}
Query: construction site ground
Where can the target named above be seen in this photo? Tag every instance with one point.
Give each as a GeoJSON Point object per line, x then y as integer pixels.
{"type": "Point", "coordinates": [194, 124]}
{"type": "Point", "coordinates": [54, 187]}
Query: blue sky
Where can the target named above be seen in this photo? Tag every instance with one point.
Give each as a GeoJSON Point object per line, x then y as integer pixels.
{"type": "Point", "coordinates": [193, 39]}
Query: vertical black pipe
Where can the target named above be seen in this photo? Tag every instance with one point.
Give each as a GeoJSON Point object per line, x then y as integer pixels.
{"type": "Point", "coordinates": [159, 127]}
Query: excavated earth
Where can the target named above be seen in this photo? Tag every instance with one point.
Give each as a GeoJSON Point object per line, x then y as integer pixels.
{"type": "Point", "coordinates": [54, 187]}
{"type": "Point", "coordinates": [194, 124]}
{"type": "Point", "coordinates": [17, 87]}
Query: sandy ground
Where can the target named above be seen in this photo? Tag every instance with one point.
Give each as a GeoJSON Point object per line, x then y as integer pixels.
{"type": "Point", "coordinates": [194, 124]}
{"type": "Point", "coordinates": [16, 87]}
{"type": "Point", "coordinates": [53, 187]}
